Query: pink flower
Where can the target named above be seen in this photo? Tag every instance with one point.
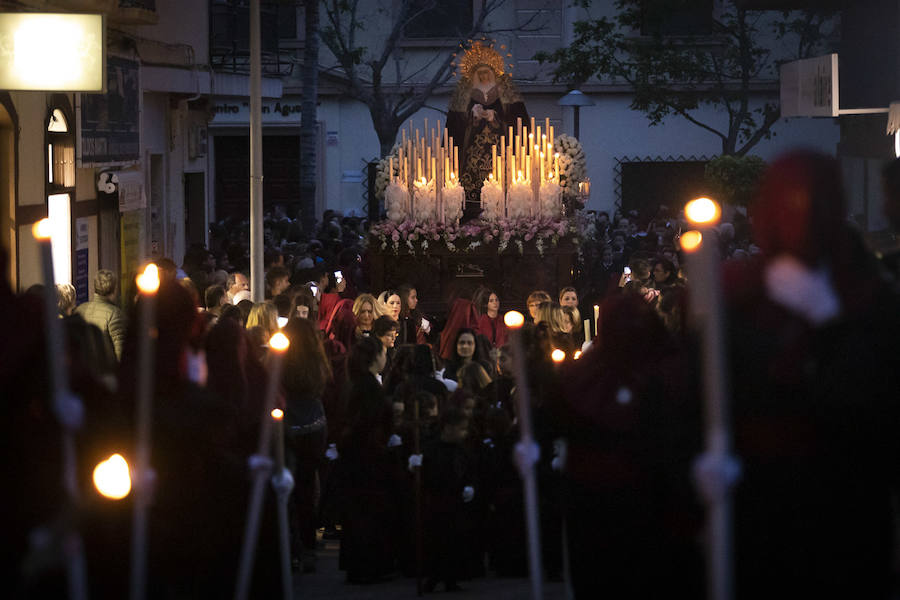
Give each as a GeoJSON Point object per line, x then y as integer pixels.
{"type": "Point", "coordinates": [487, 238]}
{"type": "Point", "coordinates": [395, 236]}
{"type": "Point", "coordinates": [528, 236]}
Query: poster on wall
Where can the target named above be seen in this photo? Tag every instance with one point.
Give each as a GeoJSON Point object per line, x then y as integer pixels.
{"type": "Point", "coordinates": [110, 124]}
{"type": "Point", "coordinates": [82, 228]}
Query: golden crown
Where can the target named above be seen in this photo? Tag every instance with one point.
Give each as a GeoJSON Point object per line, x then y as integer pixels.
{"type": "Point", "coordinates": [479, 54]}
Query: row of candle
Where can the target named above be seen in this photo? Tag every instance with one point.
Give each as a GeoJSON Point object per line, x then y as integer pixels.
{"type": "Point", "coordinates": [525, 156]}
{"type": "Point", "coordinates": [432, 156]}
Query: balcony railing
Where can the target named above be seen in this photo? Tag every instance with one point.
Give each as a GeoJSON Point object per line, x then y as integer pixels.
{"type": "Point", "coordinates": [229, 38]}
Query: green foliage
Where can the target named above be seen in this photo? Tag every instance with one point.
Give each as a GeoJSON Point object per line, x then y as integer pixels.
{"type": "Point", "coordinates": [733, 179]}
{"type": "Point", "coordinates": [720, 62]}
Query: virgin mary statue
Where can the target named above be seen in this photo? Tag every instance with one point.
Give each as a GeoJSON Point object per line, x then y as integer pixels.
{"type": "Point", "coordinates": [484, 106]}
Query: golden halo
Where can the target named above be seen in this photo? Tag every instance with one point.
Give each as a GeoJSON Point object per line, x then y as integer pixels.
{"type": "Point", "coordinates": [478, 54]}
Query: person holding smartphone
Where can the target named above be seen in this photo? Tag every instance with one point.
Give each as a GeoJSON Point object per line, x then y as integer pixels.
{"type": "Point", "coordinates": [414, 327]}
{"type": "Point", "coordinates": [330, 296]}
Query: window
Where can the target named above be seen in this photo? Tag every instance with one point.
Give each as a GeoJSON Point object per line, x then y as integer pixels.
{"type": "Point", "coordinates": [439, 19]}
{"type": "Point", "coordinates": [60, 185]}
{"type": "Point", "coordinates": [677, 17]}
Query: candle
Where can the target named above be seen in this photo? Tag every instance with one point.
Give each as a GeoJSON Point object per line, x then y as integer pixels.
{"type": "Point", "coordinates": [391, 169]}
{"type": "Point", "coordinates": [493, 159]}
{"type": "Point", "coordinates": [278, 345]}
{"type": "Point", "coordinates": [542, 167]}
{"type": "Point", "coordinates": [596, 320]}
{"type": "Point", "coordinates": [556, 164]}
{"type": "Point", "coordinates": [527, 451]}
{"type": "Point", "coordinates": [587, 330]}
{"type": "Point", "coordinates": [278, 420]}
{"type": "Point", "coordinates": [707, 318]}
{"type": "Point", "coordinates": [148, 285]}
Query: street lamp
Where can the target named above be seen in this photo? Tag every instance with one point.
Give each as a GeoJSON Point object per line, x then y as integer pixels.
{"type": "Point", "coordinates": [576, 99]}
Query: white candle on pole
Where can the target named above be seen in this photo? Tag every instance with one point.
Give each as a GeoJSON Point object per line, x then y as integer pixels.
{"type": "Point", "coordinates": [514, 320]}
{"type": "Point", "coordinates": [703, 266]}
{"type": "Point", "coordinates": [596, 319]}
{"type": "Point", "coordinates": [148, 285]}
{"type": "Point", "coordinates": [278, 345]}
{"type": "Point", "coordinates": [587, 330]}
{"type": "Point", "coordinates": [66, 406]}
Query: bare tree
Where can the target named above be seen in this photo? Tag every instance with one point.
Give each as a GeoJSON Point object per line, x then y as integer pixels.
{"type": "Point", "coordinates": [393, 100]}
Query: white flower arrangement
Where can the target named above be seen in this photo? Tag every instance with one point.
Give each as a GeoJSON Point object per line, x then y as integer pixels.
{"type": "Point", "coordinates": [572, 163]}
{"type": "Point", "coordinates": [382, 177]}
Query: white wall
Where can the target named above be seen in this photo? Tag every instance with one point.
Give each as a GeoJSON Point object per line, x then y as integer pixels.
{"type": "Point", "coordinates": [610, 130]}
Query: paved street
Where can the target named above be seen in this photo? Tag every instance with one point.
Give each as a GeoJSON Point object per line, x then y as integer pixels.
{"type": "Point", "coordinates": [328, 583]}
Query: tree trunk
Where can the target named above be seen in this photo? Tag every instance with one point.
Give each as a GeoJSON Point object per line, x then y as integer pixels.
{"type": "Point", "coordinates": [308, 121]}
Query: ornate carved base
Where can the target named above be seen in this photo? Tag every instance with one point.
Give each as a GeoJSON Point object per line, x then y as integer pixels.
{"type": "Point", "coordinates": [440, 275]}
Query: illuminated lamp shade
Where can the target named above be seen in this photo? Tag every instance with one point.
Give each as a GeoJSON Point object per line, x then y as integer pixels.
{"type": "Point", "coordinates": [112, 477]}
{"type": "Point", "coordinates": [691, 241]}
{"type": "Point", "coordinates": [53, 52]}
{"type": "Point", "coordinates": [279, 342]}
{"type": "Point", "coordinates": [702, 211]}
{"type": "Point", "coordinates": [148, 281]}
{"type": "Point", "coordinates": [557, 355]}
{"type": "Point", "coordinates": [514, 319]}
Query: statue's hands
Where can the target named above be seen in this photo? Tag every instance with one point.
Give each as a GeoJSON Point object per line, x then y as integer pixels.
{"type": "Point", "coordinates": [478, 111]}
{"type": "Point", "coordinates": [489, 115]}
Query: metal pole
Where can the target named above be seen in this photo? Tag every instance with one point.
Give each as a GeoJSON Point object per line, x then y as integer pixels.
{"type": "Point", "coordinates": [577, 119]}
{"type": "Point", "coordinates": [257, 276]}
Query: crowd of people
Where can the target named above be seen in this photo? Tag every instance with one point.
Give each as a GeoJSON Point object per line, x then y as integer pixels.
{"type": "Point", "coordinates": [400, 426]}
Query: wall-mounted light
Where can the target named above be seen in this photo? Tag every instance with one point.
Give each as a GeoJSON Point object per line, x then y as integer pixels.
{"type": "Point", "coordinates": [52, 51]}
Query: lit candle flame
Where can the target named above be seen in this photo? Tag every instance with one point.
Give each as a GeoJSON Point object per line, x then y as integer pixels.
{"type": "Point", "coordinates": [514, 319]}
{"type": "Point", "coordinates": [577, 355]}
{"type": "Point", "coordinates": [702, 211]}
{"type": "Point", "coordinates": [557, 355]}
{"type": "Point", "coordinates": [279, 342]}
{"type": "Point", "coordinates": [148, 281]}
{"type": "Point", "coordinates": [277, 414]}
{"type": "Point", "coordinates": [42, 229]}
{"type": "Point", "coordinates": [691, 240]}
{"type": "Point", "coordinates": [112, 477]}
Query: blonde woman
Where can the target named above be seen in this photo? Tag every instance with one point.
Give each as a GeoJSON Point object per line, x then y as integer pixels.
{"type": "Point", "coordinates": [364, 309]}
{"type": "Point", "coordinates": [265, 316]}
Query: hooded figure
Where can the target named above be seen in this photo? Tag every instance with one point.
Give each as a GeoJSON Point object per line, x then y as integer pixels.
{"type": "Point", "coordinates": [814, 340]}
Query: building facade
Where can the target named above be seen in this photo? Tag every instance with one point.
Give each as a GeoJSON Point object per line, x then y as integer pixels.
{"type": "Point", "coordinates": [140, 171]}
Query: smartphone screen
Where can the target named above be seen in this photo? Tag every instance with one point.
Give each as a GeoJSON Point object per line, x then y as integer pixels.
{"type": "Point", "coordinates": [314, 290]}
{"type": "Point", "coordinates": [627, 270]}
{"type": "Point", "coordinates": [338, 275]}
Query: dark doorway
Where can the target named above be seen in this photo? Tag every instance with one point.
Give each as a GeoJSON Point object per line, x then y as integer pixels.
{"type": "Point", "coordinates": [281, 174]}
{"type": "Point", "coordinates": [648, 185]}
{"type": "Point", "coordinates": [194, 209]}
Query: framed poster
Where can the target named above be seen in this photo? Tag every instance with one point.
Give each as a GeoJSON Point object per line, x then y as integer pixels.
{"type": "Point", "coordinates": [109, 126]}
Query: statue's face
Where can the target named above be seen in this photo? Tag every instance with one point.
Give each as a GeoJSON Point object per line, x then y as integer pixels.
{"type": "Point", "coordinates": [484, 75]}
